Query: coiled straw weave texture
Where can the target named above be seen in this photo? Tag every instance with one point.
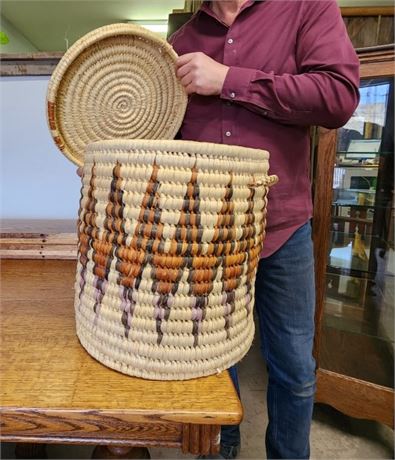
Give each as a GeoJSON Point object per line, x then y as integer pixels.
{"type": "Point", "coordinates": [117, 81]}
{"type": "Point", "coordinates": [170, 234]}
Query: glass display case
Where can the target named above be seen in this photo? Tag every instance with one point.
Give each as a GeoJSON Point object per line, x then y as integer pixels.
{"type": "Point", "coordinates": [355, 254]}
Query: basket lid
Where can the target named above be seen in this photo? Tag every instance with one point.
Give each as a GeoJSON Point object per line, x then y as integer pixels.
{"type": "Point", "coordinates": [117, 81]}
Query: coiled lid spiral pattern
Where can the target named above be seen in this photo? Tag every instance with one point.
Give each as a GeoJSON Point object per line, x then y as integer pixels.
{"type": "Point", "coordinates": [170, 234]}
{"type": "Point", "coordinates": [117, 81]}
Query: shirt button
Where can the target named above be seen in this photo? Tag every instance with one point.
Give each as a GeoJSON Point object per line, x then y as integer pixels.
{"type": "Point", "coordinates": [230, 41]}
{"type": "Point", "coordinates": [228, 134]}
{"type": "Point", "coordinates": [232, 95]}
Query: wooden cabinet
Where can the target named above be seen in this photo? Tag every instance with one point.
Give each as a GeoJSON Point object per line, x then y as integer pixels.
{"type": "Point", "coordinates": [354, 246]}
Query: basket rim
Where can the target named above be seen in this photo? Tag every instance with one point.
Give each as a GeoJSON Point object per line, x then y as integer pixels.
{"type": "Point", "coordinates": [177, 146]}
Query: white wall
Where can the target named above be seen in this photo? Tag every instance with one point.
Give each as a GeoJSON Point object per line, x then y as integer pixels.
{"type": "Point", "coordinates": [18, 43]}
{"type": "Point", "coordinates": [37, 181]}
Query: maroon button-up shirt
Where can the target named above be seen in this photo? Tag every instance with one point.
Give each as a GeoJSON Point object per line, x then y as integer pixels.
{"type": "Point", "coordinates": [292, 65]}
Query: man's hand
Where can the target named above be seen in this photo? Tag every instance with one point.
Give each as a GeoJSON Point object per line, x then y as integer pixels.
{"type": "Point", "coordinates": [200, 74]}
{"type": "Point", "coordinates": [80, 171]}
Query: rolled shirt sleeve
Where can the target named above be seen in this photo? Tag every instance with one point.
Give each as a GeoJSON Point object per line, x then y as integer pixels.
{"type": "Point", "coordinates": [324, 92]}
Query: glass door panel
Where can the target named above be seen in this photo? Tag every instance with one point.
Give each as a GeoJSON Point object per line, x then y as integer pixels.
{"type": "Point", "coordinates": [358, 325]}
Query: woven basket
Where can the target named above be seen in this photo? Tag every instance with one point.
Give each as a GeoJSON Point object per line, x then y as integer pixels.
{"type": "Point", "coordinates": [170, 234]}
{"type": "Point", "coordinates": [117, 81]}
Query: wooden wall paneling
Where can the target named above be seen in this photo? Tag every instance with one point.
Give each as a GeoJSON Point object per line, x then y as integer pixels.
{"type": "Point", "coordinates": [369, 26]}
{"type": "Point", "coordinates": [59, 246]}
{"type": "Point", "coordinates": [386, 30]}
{"type": "Point", "coordinates": [363, 31]}
{"type": "Point", "coordinates": [28, 64]}
{"type": "Point", "coordinates": [367, 11]}
{"type": "Point", "coordinates": [38, 239]}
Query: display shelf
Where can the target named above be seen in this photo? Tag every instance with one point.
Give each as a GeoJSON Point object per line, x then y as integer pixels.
{"type": "Point", "coordinates": [356, 165]}
{"type": "Point", "coordinates": [355, 258]}
{"type": "Point", "coordinates": [345, 203]}
{"type": "Point", "coordinates": [352, 219]}
{"type": "Point", "coordinates": [342, 203]}
{"type": "Point", "coordinates": [356, 190]}
{"type": "Point", "coordinates": [378, 153]}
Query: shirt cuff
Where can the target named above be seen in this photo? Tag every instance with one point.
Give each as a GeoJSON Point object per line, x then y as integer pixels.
{"type": "Point", "coordinates": [236, 84]}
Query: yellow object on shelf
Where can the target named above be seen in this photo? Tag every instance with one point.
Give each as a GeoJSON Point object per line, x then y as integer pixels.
{"type": "Point", "coordinates": [358, 247]}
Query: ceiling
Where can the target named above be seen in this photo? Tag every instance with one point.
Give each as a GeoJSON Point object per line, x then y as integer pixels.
{"type": "Point", "coordinates": [47, 23]}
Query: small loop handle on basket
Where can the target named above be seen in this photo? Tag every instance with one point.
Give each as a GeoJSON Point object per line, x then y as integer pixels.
{"type": "Point", "coordinates": [267, 181]}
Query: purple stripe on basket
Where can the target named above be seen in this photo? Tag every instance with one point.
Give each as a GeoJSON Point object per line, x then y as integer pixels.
{"type": "Point", "coordinates": [127, 307]}
{"type": "Point", "coordinates": [197, 314]}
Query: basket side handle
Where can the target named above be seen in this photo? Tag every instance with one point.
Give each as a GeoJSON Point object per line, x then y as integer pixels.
{"type": "Point", "coordinates": [267, 181]}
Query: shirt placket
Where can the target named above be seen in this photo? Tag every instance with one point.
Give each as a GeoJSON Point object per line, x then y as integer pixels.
{"type": "Point", "coordinates": [229, 128]}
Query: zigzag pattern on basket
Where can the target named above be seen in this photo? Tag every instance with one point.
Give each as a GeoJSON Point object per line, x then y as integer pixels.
{"type": "Point", "coordinates": [167, 262]}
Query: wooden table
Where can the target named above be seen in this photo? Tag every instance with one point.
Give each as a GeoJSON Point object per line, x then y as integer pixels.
{"type": "Point", "coordinates": [52, 391]}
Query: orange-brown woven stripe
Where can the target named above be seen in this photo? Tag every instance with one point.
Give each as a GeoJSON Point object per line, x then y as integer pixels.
{"type": "Point", "coordinates": [149, 285]}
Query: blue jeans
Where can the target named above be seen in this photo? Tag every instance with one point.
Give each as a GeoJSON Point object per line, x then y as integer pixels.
{"type": "Point", "coordinates": [285, 304]}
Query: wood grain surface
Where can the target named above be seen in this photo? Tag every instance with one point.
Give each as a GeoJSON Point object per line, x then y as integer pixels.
{"type": "Point", "coordinates": [346, 393]}
{"type": "Point", "coordinates": [31, 228]}
{"type": "Point", "coordinates": [28, 63]}
{"type": "Point", "coordinates": [367, 11]}
{"type": "Point", "coordinates": [53, 391]}
{"type": "Point", "coordinates": [38, 239]}
{"type": "Point", "coordinates": [323, 182]}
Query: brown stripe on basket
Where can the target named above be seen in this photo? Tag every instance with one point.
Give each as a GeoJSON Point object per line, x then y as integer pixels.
{"type": "Point", "coordinates": [59, 142]}
{"type": "Point", "coordinates": [51, 116]}
{"type": "Point", "coordinates": [148, 228]}
{"type": "Point", "coordinates": [227, 210]}
{"type": "Point", "coordinates": [253, 253]}
{"type": "Point", "coordinates": [191, 213]}
{"type": "Point", "coordinates": [250, 218]}
{"type": "Point", "coordinates": [104, 251]}
{"type": "Point", "coordinates": [85, 228]}
{"type": "Point", "coordinates": [170, 277]}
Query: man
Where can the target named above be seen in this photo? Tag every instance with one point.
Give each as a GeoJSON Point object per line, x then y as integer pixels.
{"type": "Point", "coordinates": [258, 75]}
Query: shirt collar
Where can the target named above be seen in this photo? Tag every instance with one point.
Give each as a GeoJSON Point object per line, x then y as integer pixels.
{"type": "Point", "coordinates": [205, 7]}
